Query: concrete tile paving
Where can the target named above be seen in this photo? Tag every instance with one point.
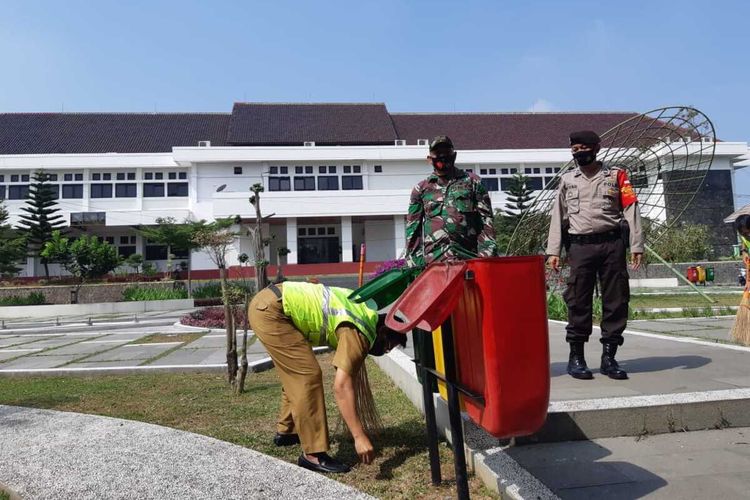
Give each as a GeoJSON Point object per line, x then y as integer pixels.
{"type": "Point", "coordinates": [36, 362]}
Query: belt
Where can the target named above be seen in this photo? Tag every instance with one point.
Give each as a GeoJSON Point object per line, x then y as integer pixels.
{"type": "Point", "coordinates": [276, 290]}
{"type": "Point", "coordinates": [589, 239]}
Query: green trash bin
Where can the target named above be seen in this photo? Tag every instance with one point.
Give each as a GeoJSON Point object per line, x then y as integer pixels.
{"type": "Point", "coordinates": [710, 274]}
{"type": "Point", "coordinates": [386, 288]}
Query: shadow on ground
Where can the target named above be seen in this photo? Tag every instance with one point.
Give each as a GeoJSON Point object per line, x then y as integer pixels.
{"type": "Point", "coordinates": [641, 365]}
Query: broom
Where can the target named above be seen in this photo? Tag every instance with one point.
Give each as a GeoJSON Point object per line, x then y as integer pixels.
{"type": "Point", "coordinates": [364, 404]}
{"type": "Point", "coordinates": [741, 329]}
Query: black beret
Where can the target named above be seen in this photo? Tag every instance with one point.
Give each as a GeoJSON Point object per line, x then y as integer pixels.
{"type": "Point", "coordinates": [441, 140]}
{"type": "Point", "coordinates": [584, 137]}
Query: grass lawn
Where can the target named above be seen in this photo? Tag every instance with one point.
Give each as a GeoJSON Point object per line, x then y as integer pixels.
{"type": "Point", "coordinates": [203, 403]}
{"type": "Point", "coordinates": [689, 300]}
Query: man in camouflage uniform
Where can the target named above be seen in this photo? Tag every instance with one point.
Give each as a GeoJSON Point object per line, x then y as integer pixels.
{"type": "Point", "coordinates": [450, 214]}
{"type": "Point", "coordinates": [592, 202]}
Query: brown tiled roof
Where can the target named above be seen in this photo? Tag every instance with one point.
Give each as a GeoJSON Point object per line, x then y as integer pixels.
{"type": "Point", "coordinates": [49, 133]}
{"type": "Point", "coordinates": [503, 130]}
{"type": "Point", "coordinates": [268, 124]}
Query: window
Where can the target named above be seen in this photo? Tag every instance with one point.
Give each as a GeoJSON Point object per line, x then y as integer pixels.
{"type": "Point", "coordinates": [2, 192]}
{"type": "Point", "coordinates": [505, 184]}
{"type": "Point", "coordinates": [237, 171]}
{"type": "Point", "coordinates": [378, 169]}
{"type": "Point", "coordinates": [96, 177]}
{"type": "Point", "coordinates": [283, 170]}
{"type": "Point", "coordinates": [125, 190]}
{"type": "Point", "coordinates": [304, 183]}
{"type": "Point", "coordinates": [182, 175]}
{"type": "Point", "coordinates": [357, 169]}
{"type": "Point", "coordinates": [331, 231]}
{"type": "Point", "coordinates": [177, 189]}
{"type": "Point", "coordinates": [534, 183]}
{"type": "Point", "coordinates": [351, 182]}
{"type": "Point", "coordinates": [18, 192]}
{"type": "Point", "coordinates": [504, 171]}
{"type": "Point", "coordinates": [2, 178]}
{"type": "Point", "coordinates": [110, 240]}
{"type": "Point", "coordinates": [548, 170]}
{"type": "Point", "coordinates": [180, 253]}
{"type": "Point", "coordinates": [279, 184]}
{"type": "Point", "coordinates": [72, 191]}
{"type": "Point", "coordinates": [106, 177]}
{"type": "Point", "coordinates": [537, 170]}
{"type": "Point", "coordinates": [25, 178]}
{"type": "Point", "coordinates": [156, 252]}
{"type": "Point", "coordinates": [308, 169]}
{"type": "Point", "coordinates": [513, 170]}
{"type": "Point", "coordinates": [301, 231]}
{"type": "Point", "coordinates": [273, 170]}
{"type": "Point", "coordinates": [322, 170]}
{"type": "Point", "coordinates": [120, 176]}
{"type": "Point", "coordinates": [328, 183]}
{"type": "Point", "coordinates": [101, 190]}
{"type": "Point", "coordinates": [153, 189]}
{"type": "Point", "coordinates": [526, 170]}
{"type": "Point", "coordinates": [298, 170]}
{"type": "Point", "coordinates": [173, 175]}
{"type": "Point", "coordinates": [331, 169]}
{"type": "Point", "coordinates": [469, 170]}
{"type": "Point", "coordinates": [67, 177]}
{"type": "Point", "coordinates": [79, 177]}
{"type": "Point", "coordinates": [548, 183]}
{"type": "Point", "coordinates": [148, 176]}
{"type": "Point", "coordinates": [124, 240]}
{"type": "Point", "coordinates": [131, 176]}
{"type": "Point", "coordinates": [347, 169]}
{"type": "Point", "coordinates": [126, 251]}
{"type": "Point", "coordinates": [52, 177]}
{"type": "Point", "coordinates": [482, 171]}
{"type": "Point", "coordinates": [158, 175]}
{"type": "Point", "coordinates": [493, 171]}
{"type": "Point", "coordinates": [490, 183]}
{"type": "Point", "coordinates": [321, 231]}
{"type": "Point", "coordinates": [55, 188]}
{"type": "Point", "coordinates": [14, 178]}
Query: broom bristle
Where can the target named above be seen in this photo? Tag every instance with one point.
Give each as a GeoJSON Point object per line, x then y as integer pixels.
{"type": "Point", "coordinates": [741, 328]}
{"type": "Point", "coordinates": [365, 404]}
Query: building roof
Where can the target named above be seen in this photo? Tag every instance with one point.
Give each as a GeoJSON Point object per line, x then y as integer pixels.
{"type": "Point", "coordinates": [503, 130]}
{"type": "Point", "coordinates": [50, 133]}
{"type": "Point", "coordinates": [326, 124]}
{"type": "Point", "coordinates": [263, 124]}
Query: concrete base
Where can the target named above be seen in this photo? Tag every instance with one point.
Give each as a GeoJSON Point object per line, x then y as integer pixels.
{"type": "Point", "coordinates": [67, 310]}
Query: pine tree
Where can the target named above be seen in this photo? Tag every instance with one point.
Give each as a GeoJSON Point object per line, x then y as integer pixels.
{"type": "Point", "coordinates": [519, 198]}
{"type": "Point", "coordinates": [41, 216]}
{"type": "Point", "coordinates": [12, 248]}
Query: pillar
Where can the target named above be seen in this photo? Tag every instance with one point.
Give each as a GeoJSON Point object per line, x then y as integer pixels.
{"type": "Point", "coordinates": [346, 240]}
{"type": "Point", "coordinates": [399, 236]}
{"type": "Point", "coordinates": [291, 239]}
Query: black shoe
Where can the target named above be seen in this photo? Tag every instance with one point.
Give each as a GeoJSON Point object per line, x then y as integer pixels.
{"type": "Point", "coordinates": [609, 366]}
{"type": "Point", "coordinates": [326, 465]}
{"type": "Point", "coordinates": [577, 363]}
{"type": "Point", "coordinates": [285, 439]}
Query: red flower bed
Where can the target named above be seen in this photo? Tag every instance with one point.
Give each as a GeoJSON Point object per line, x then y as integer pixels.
{"type": "Point", "coordinates": [213, 317]}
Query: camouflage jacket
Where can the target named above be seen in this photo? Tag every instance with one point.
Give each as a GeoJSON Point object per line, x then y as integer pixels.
{"type": "Point", "coordinates": [449, 219]}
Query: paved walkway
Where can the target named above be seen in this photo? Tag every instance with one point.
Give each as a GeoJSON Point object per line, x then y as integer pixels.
{"type": "Point", "coordinates": [48, 454]}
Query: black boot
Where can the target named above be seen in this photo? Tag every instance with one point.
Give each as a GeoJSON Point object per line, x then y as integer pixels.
{"type": "Point", "coordinates": [577, 364]}
{"type": "Point", "coordinates": [609, 366]}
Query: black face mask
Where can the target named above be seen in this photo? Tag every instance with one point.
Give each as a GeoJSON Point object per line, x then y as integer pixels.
{"type": "Point", "coordinates": [444, 162]}
{"type": "Point", "coordinates": [584, 158]}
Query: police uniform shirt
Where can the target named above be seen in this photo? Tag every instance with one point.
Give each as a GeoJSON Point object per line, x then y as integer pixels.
{"type": "Point", "coordinates": [352, 349]}
{"type": "Point", "coordinates": [591, 205]}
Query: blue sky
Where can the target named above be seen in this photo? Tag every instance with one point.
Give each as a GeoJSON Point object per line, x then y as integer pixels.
{"type": "Point", "coordinates": [413, 55]}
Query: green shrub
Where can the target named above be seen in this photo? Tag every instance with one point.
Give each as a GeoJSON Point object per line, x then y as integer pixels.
{"type": "Point", "coordinates": [32, 299]}
{"type": "Point", "coordinates": [131, 294]}
{"type": "Point", "coordinates": [208, 291]}
{"type": "Point", "coordinates": [237, 290]}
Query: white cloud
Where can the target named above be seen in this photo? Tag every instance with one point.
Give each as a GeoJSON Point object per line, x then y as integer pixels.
{"type": "Point", "coordinates": [540, 106]}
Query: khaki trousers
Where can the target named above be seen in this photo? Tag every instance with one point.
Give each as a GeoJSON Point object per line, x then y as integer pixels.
{"type": "Point", "coordinates": [303, 407]}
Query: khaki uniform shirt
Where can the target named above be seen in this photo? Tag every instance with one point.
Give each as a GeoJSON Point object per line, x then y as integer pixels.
{"type": "Point", "coordinates": [352, 349]}
{"type": "Point", "coordinates": [591, 205]}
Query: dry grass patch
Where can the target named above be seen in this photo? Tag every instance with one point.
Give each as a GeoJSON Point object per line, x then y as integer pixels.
{"type": "Point", "coordinates": [155, 338]}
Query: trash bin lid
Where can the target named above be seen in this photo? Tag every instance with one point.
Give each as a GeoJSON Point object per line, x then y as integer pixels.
{"type": "Point", "coordinates": [430, 299]}
{"type": "Point", "coordinates": [387, 287]}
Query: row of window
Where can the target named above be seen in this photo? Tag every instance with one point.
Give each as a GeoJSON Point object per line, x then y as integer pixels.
{"type": "Point", "coordinates": [308, 169]}
{"type": "Point", "coordinates": [316, 231]}
{"type": "Point", "coordinates": [100, 176]}
{"type": "Point", "coordinates": [122, 190]}
{"type": "Point", "coordinates": [308, 183]}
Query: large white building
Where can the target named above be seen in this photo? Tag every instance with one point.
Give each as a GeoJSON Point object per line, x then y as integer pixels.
{"type": "Point", "coordinates": [335, 175]}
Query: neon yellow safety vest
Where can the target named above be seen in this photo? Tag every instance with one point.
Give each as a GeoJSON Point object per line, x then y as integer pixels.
{"type": "Point", "coordinates": [317, 310]}
{"type": "Point", "coordinates": [746, 242]}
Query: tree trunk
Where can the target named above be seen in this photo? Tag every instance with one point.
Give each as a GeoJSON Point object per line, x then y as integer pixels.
{"type": "Point", "coordinates": [169, 261]}
{"type": "Point", "coordinates": [229, 324]}
{"type": "Point", "coordinates": [46, 268]}
{"type": "Point", "coordinates": [240, 388]}
{"type": "Point", "coordinates": [190, 278]}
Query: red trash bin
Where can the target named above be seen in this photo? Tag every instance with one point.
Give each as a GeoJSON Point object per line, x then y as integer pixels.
{"type": "Point", "coordinates": [499, 319]}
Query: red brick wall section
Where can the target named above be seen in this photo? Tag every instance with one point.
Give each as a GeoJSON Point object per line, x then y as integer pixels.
{"type": "Point", "coordinates": [89, 294]}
